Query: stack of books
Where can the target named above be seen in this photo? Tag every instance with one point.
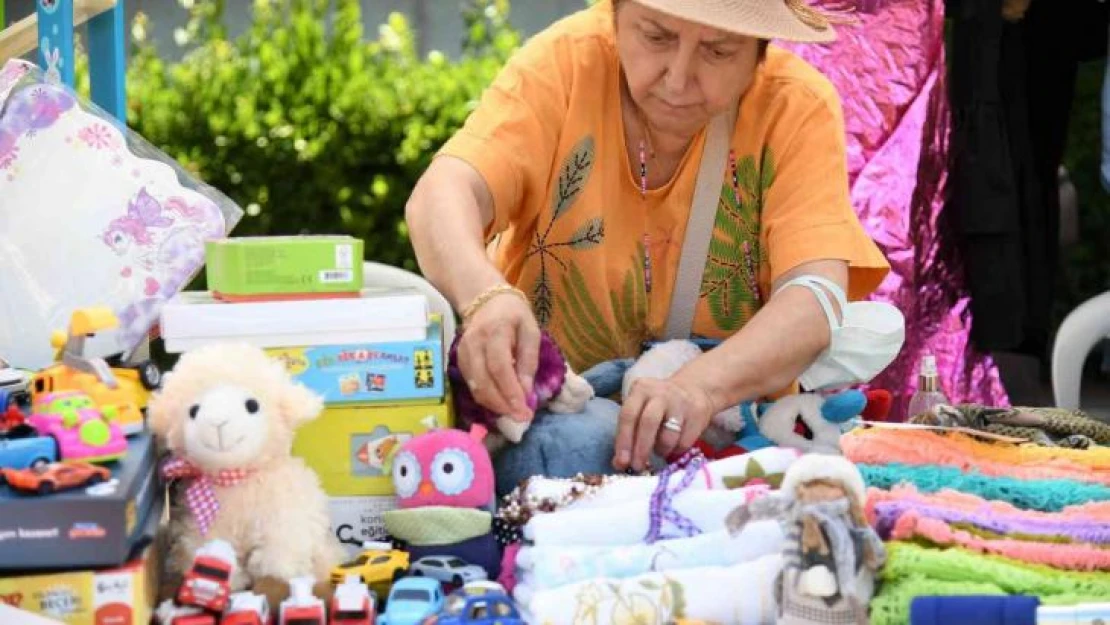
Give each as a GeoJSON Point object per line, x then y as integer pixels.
{"type": "Point", "coordinates": [375, 355]}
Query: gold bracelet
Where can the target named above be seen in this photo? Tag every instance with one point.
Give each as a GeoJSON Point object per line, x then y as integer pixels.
{"type": "Point", "coordinates": [489, 294]}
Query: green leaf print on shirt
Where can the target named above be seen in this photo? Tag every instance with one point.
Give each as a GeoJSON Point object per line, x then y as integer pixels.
{"type": "Point", "coordinates": [589, 338]}
{"type": "Point", "coordinates": [573, 175]}
{"type": "Point", "coordinates": [731, 280]}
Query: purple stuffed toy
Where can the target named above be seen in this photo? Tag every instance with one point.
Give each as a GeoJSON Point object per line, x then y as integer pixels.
{"type": "Point", "coordinates": [555, 387]}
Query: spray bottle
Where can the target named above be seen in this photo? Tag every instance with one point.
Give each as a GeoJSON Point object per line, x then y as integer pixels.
{"type": "Point", "coordinates": [929, 392]}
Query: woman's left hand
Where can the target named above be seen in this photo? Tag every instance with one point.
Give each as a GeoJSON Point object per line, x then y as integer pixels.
{"type": "Point", "coordinates": [663, 416]}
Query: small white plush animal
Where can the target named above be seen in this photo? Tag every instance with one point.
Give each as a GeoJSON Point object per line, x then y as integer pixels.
{"type": "Point", "coordinates": [227, 414]}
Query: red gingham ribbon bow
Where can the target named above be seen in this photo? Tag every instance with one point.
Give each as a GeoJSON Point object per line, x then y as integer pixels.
{"type": "Point", "coordinates": [199, 496]}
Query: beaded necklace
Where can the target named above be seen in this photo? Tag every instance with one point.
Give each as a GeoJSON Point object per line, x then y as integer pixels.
{"type": "Point", "coordinates": [749, 261]}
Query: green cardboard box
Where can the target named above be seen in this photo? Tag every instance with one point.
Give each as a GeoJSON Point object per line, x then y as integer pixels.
{"type": "Point", "coordinates": [289, 266]}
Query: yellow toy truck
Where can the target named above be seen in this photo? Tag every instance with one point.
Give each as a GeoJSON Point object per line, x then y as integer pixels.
{"type": "Point", "coordinates": [125, 387]}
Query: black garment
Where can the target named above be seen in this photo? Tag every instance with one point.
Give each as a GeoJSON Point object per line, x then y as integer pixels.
{"type": "Point", "coordinates": [1011, 88]}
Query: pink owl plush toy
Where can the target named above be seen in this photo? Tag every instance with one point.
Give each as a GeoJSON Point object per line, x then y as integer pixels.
{"type": "Point", "coordinates": [443, 480]}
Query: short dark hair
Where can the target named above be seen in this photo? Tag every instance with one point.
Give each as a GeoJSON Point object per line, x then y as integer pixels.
{"type": "Point", "coordinates": [763, 43]}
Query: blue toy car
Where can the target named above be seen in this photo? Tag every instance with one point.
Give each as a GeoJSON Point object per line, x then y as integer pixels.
{"type": "Point", "coordinates": [411, 601]}
{"type": "Point", "coordinates": [479, 604]}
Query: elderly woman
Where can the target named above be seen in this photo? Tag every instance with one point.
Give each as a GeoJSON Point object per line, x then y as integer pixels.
{"type": "Point", "coordinates": [564, 203]}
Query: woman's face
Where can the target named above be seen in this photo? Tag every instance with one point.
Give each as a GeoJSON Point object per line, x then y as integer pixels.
{"type": "Point", "coordinates": [680, 73]}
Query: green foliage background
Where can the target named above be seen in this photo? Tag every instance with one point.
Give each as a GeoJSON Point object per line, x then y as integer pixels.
{"type": "Point", "coordinates": [305, 122]}
{"type": "Point", "coordinates": [313, 127]}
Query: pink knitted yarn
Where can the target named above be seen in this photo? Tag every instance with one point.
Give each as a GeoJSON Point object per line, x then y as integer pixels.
{"type": "Point", "coordinates": [1094, 511]}
{"type": "Point", "coordinates": [1073, 556]}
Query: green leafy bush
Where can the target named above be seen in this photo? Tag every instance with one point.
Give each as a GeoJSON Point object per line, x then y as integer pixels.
{"type": "Point", "coordinates": [303, 122]}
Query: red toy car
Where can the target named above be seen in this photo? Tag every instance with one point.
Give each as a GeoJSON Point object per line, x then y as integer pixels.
{"type": "Point", "coordinates": [247, 608]}
{"type": "Point", "coordinates": [302, 607]}
{"type": "Point", "coordinates": [207, 582]}
{"type": "Point", "coordinates": [169, 613]}
{"type": "Point", "coordinates": [352, 603]}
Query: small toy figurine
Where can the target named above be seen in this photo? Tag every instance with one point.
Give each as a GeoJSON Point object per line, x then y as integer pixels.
{"type": "Point", "coordinates": [554, 386]}
{"type": "Point", "coordinates": [207, 583]}
{"type": "Point", "coordinates": [56, 476]}
{"type": "Point", "coordinates": [228, 413]}
{"type": "Point", "coordinates": [247, 608]}
{"type": "Point", "coordinates": [831, 554]}
{"type": "Point", "coordinates": [302, 607]}
{"type": "Point", "coordinates": [352, 604]}
{"type": "Point", "coordinates": [478, 603]}
{"type": "Point", "coordinates": [169, 613]}
{"type": "Point", "coordinates": [411, 601]}
{"type": "Point", "coordinates": [82, 430]}
{"type": "Point", "coordinates": [377, 566]}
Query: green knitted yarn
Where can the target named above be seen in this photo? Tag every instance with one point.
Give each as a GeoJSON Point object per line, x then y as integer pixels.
{"type": "Point", "coordinates": [913, 570]}
{"type": "Point", "coordinates": [1043, 495]}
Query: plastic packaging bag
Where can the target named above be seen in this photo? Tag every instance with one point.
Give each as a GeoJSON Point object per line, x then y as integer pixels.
{"type": "Point", "coordinates": [91, 214]}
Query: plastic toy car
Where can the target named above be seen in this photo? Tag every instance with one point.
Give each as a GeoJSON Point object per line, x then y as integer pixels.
{"type": "Point", "coordinates": [448, 569]}
{"type": "Point", "coordinates": [352, 603]}
{"type": "Point", "coordinates": [475, 604]}
{"type": "Point", "coordinates": [56, 476]}
{"type": "Point", "coordinates": [81, 429]}
{"type": "Point", "coordinates": [21, 447]}
{"type": "Point", "coordinates": [169, 613]}
{"type": "Point", "coordinates": [125, 390]}
{"type": "Point", "coordinates": [207, 583]}
{"type": "Point", "coordinates": [301, 607]}
{"type": "Point", "coordinates": [411, 601]}
{"type": "Point", "coordinates": [13, 380]}
{"type": "Point", "coordinates": [379, 563]}
{"type": "Point", "coordinates": [246, 608]}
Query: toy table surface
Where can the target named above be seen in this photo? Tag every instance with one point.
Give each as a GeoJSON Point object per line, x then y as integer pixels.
{"type": "Point", "coordinates": [8, 614]}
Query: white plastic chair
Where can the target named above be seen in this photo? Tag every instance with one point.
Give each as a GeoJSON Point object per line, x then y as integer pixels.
{"type": "Point", "coordinates": [382, 275]}
{"type": "Point", "coordinates": [1081, 330]}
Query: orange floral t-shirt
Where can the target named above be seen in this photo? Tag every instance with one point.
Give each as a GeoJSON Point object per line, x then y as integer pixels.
{"type": "Point", "coordinates": [570, 220]}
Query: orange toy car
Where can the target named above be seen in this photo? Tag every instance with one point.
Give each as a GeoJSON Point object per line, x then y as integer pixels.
{"type": "Point", "coordinates": [125, 389]}
{"type": "Point", "coordinates": [56, 476]}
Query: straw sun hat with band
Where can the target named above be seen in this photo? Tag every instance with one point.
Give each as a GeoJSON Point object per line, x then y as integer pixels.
{"type": "Point", "coordinates": [786, 20]}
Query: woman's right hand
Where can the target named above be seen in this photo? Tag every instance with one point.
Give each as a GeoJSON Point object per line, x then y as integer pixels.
{"type": "Point", "coordinates": [498, 355]}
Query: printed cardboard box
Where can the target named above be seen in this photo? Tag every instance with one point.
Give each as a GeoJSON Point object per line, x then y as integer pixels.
{"type": "Point", "coordinates": [125, 595]}
{"type": "Point", "coordinates": [265, 267]}
{"type": "Point", "coordinates": [349, 446]}
{"type": "Point", "coordinates": [371, 372]}
{"type": "Point", "coordinates": [358, 520]}
{"type": "Point", "coordinates": [88, 527]}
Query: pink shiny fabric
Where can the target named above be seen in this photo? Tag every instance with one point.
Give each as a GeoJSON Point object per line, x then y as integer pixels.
{"type": "Point", "coordinates": [889, 70]}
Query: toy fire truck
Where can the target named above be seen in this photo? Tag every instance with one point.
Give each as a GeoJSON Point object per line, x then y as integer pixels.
{"type": "Point", "coordinates": [207, 583]}
{"type": "Point", "coordinates": [169, 613]}
{"type": "Point", "coordinates": [247, 608]}
{"type": "Point", "coordinates": [352, 603]}
{"type": "Point", "coordinates": [301, 607]}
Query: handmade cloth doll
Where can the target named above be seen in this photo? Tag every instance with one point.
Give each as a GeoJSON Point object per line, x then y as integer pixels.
{"type": "Point", "coordinates": [443, 480]}
{"type": "Point", "coordinates": [831, 554]}
{"type": "Point", "coordinates": [227, 414]}
{"type": "Point", "coordinates": [555, 387]}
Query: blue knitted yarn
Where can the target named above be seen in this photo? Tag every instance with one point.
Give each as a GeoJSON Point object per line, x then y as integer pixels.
{"type": "Point", "coordinates": [1043, 495]}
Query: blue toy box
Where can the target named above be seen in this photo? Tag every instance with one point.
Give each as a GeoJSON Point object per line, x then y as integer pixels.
{"type": "Point", "coordinates": [370, 372]}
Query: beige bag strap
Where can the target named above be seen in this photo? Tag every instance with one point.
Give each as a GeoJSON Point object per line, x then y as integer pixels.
{"type": "Point", "coordinates": [699, 225]}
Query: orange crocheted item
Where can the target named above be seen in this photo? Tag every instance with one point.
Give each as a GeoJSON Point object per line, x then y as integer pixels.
{"type": "Point", "coordinates": [920, 447]}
